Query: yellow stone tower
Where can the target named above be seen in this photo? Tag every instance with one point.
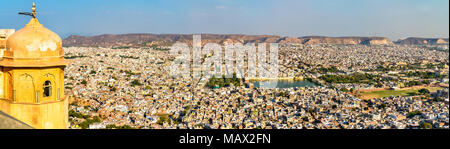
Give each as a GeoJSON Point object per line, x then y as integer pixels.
{"type": "Point", "coordinates": [32, 77]}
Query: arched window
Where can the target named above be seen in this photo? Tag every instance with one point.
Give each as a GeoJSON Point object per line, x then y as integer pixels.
{"type": "Point", "coordinates": [47, 89]}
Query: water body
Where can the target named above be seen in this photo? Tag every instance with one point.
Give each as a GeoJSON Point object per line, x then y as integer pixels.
{"type": "Point", "coordinates": [282, 84]}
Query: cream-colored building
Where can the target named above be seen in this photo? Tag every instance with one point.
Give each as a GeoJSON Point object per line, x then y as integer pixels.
{"type": "Point", "coordinates": [4, 34]}
{"type": "Point", "coordinates": [32, 77]}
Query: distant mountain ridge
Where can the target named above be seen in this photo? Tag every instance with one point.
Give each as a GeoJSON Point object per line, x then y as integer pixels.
{"type": "Point", "coordinates": [137, 40]}
{"type": "Point", "coordinates": [417, 40]}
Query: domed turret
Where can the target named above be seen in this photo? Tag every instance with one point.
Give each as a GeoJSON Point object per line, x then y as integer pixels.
{"type": "Point", "coordinates": [32, 77]}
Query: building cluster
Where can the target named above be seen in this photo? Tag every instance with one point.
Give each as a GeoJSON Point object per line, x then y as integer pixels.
{"type": "Point", "coordinates": [133, 87]}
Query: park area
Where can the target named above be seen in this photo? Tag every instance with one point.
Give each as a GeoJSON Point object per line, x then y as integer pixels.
{"type": "Point", "coordinates": [410, 91]}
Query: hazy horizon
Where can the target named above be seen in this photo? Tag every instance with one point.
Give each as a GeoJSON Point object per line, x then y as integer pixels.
{"type": "Point", "coordinates": [394, 19]}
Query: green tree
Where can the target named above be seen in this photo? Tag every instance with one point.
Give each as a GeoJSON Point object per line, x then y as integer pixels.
{"type": "Point", "coordinates": [84, 82]}
{"type": "Point", "coordinates": [424, 91]}
{"type": "Point", "coordinates": [426, 125]}
{"type": "Point", "coordinates": [135, 83]}
{"type": "Point", "coordinates": [344, 89]}
{"type": "Point", "coordinates": [414, 113]}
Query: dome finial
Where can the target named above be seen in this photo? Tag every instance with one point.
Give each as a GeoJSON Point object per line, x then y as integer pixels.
{"type": "Point", "coordinates": [34, 10]}
{"type": "Point", "coordinates": [32, 14]}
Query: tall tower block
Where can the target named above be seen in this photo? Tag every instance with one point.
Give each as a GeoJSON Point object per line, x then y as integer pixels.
{"type": "Point", "coordinates": [32, 77]}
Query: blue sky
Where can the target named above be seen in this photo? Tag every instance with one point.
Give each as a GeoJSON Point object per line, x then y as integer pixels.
{"type": "Point", "coordinates": [387, 18]}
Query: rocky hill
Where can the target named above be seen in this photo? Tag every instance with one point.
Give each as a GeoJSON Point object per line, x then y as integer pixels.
{"type": "Point", "coordinates": [415, 40]}
{"type": "Point", "coordinates": [159, 39]}
{"type": "Point", "coordinates": [346, 40]}
{"type": "Point", "coordinates": [167, 39]}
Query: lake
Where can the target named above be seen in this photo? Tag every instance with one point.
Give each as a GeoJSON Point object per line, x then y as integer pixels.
{"type": "Point", "coordinates": [283, 84]}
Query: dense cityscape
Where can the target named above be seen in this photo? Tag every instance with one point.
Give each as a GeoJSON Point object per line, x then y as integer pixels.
{"type": "Point", "coordinates": [355, 87]}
